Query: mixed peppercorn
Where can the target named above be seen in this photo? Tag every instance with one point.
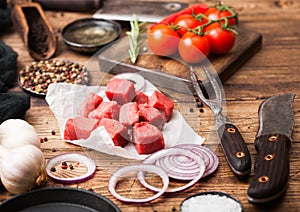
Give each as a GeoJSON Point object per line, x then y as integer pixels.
{"type": "Point", "coordinates": [37, 77]}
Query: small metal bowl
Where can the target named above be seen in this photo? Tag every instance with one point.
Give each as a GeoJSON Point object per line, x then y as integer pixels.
{"type": "Point", "coordinates": [216, 204]}
{"type": "Point", "coordinates": [88, 35]}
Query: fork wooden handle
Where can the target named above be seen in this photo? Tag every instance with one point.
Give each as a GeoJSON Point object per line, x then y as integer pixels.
{"type": "Point", "coordinates": [235, 150]}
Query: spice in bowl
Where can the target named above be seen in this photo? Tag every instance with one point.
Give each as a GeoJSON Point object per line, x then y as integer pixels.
{"type": "Point", "coordinates": [212, 201]}
{"type": "Point", "coordinates": [88, 35]}
{"type": "Point", "coordinates": [37, 77]}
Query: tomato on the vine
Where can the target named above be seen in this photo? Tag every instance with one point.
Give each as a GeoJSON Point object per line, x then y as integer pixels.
{"type": "Point", "coordinates": [214, 14]}
{"type": "Point", "coordinates": [187, 21]}
{"type": "Point", "coordinates": [221, 40]}
{"type": "Point", "coordinates": [193, 48]}
{"type": "Point", "coordinates": [163, 40]}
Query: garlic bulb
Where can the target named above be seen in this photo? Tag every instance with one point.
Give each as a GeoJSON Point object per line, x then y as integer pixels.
{"type": "Point", "coordinates": [22, 168]}
{"type": "Point", "coordinates": [17, 132]}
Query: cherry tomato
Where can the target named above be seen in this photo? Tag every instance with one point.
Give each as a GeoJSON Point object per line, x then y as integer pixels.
{"type": "Point", "coordinates": [214, 13]}
{"type": "Point", "coordinates": [186, 22]}
{"type": "Point", "coordinates": [221, 41]}
{"type": "Point", "coordinates": [193, 48]}
{"type": "Point", "coordinates": [163, 40]}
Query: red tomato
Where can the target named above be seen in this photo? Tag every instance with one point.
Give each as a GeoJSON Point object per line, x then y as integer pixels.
{"type": "Point", "coordinates": [215, 14]}
{"type": "Point", "coordinates": [221, 41]}
{"type": "Point", "coordinates": [186, 22]}
{"type": "Point", "coordinates": [163, 40]}
{"type": "Point", "coordinates": [193, 48]}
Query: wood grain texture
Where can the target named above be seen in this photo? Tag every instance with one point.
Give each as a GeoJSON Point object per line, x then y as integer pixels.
{"type": "Point", "coordinates": [274, 69]}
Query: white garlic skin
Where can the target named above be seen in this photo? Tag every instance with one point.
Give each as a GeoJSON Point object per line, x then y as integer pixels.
{"type": "Point", "coordinates": [17, 132]}
{"type": "Point", "coordinates": [20, 167]}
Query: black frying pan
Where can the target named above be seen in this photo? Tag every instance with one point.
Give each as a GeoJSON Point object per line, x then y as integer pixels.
{"type": "Point", "coordinates": [59, 199]}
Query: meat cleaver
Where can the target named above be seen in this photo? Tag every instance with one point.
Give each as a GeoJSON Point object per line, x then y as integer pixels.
{"type": "Point", "coordinates": [119, 10]}
{"type": "Point", "coordinates": [273, 140]}
{"type": "Point", "coordinates": [145, 11]}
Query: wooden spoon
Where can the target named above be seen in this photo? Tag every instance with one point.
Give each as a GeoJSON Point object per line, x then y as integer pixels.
{"type": "Point", "coordinates": [35, 30]}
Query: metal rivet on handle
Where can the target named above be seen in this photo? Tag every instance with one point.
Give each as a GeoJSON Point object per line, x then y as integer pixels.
{"type": "Point", "coordinates": [231, 130]}
{"type": "Point", "coordinates": [269, 157]}
{"type": "Point", "coordinates": [273, 138]}
{"type": "Point", "coordinates": [172, 6]}
{"type": "Point", "coordinates": [240, 154]}
{"type": "Point", "coordinates": [263, 179]}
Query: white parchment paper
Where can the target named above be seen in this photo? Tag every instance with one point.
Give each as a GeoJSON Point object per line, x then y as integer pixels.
{"type": "Point", "coordinates": [65, 100]}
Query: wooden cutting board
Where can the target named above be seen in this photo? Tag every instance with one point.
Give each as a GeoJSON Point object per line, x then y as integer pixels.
{"type": "Point", "coordinates": [172, 74]}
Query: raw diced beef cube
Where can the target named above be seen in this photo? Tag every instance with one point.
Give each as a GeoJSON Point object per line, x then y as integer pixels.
{"type": "Point", "coordinates": [162, 103]}
{"type": "Point", "coordinates": [152, 115]}
{"type": "Point", "coordinates": [90, 103]}
{"type": "Point", "coordinates": [117, 131]}
{"type": "Point", "coordinates": [79, 128]}
{"type": "Point", "coordinates": [109, 110]}
{"type": "Point", "coordinates": [141, 98]}
{"type": "Point", "coordinates": [129, 114]}
{"type": "Point", "coordinates": [120, 90]}
{"type": "Point", "coordinates": [147, 138]}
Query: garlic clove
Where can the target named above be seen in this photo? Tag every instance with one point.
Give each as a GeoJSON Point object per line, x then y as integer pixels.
{"type": "Point", "coordinates": [17, 132]}
{"type": "Point", "coordinates": [21, 167]}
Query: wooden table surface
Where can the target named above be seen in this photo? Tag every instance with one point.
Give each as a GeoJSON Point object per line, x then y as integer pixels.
{"type": "Point", "coordinates": [273, 70]}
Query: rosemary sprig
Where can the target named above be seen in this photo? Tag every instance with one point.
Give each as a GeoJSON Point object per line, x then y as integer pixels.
{"type": "Point", "coordinates": [134, 41]}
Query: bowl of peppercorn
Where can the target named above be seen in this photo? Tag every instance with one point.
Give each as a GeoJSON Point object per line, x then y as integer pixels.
{"type": "Point", "coordinates": [40, 74]}
{"type": "Point", "coordinates": [88, 35]}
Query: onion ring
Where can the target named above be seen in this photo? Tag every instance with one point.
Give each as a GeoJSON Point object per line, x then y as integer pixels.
{"type": "Point", "coordinates": [137, 79]}
{"type": "Point", "coordinates": [210, 158]}
{"type": "Point", "coordinates": [170, 152]}
{"type": "Point", "coordinates": [139, 168]}
{"type": "Point", "coordinates": [178, 169]}
{"type": "Point", "coordinates": [73, 171]}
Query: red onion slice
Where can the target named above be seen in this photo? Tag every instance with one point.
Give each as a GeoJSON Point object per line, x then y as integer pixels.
{"type": "Point", "coordinates": [171, 152]}
{"type": "Point", "coordinates": [210, 158]}
{"type": "Point", "coordinates": [177, 169]}
{"type": "Point", "coordinates": [138, 168]}
{"type": "Point", "coordinates": [137, 79]}
{"type": "Point", "coordinates": [70, 168]}
{"type": "Point", "coordinates": [182, 162]}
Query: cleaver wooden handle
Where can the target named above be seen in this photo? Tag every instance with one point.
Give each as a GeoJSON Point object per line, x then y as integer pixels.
{"type": "Point", "coordinates": [271, 168]}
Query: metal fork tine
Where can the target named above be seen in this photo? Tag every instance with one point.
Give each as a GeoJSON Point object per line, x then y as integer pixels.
{"type": "Point", "coordinates": [197, 86]}
{"type": "Point", "coordinates": [214, 84]}
{"type": "Point", "coordinates": [216, 103]}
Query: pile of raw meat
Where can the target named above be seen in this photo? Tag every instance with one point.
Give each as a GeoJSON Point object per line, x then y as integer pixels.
{"type": "Point", "coordinates": [129, 116]}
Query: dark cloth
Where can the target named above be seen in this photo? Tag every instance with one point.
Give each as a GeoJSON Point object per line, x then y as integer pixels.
{"type": "Point", "coordinates": [8, 66]}
{"type": "Point", "coordinates": [5, 16]}
{"type": "Point", "coordinates": [13, 105]}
